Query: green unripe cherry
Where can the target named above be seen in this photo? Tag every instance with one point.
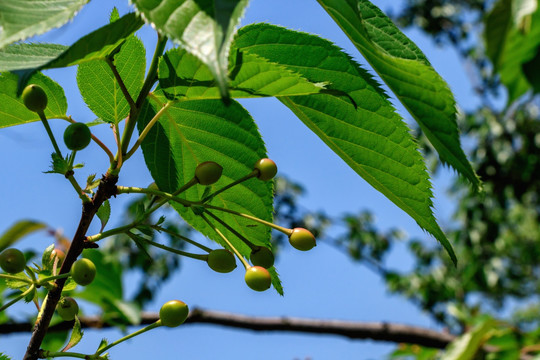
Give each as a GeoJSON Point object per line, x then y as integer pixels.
{"type": "Point", "coordinates": [83, 271]}
{"type": "Point", "coordinates": [67, 308]}
{"type": "Point", "coordinates": [302, 239]}
{"type": "Point", "coordinates": [262, 256]}
{"type": "Point", "coordinates": [267, 169]}
{"type": "Point", "coordinates": [77, 136]}
{"type": "Point", "coordinates": [12, 261]}
{"type": "Point", "coordinates": [208, 172]}
{"type": "Point", "coordinates": [173, 313]}
{"type": "Point", "coordinates": [34, 98]}
{"type": "Point", "coordinates": [221, 260]}
{"type": "Point", "coordinates": [258, 278]}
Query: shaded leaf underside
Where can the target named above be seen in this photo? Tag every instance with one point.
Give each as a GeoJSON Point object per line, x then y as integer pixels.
{"type": "Point", "coordinates": [192, 132]}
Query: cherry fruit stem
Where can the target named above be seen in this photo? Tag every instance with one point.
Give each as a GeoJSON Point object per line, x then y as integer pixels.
{"type": "Point", "coordinates": [284, 230]}
{"type": "Point", "coordinates": [192, 242]}
{"type": "Point", "coordinates": [236, 182]}
{"type": "Point", "coordinates": [240, 236]}
{"type": "Point", "coordinates": [220, 234]}
{"type": "Point", "coordinates": [21, 296]}
{"type": "Point", "coordinates": [127, 337]}
{"type": "Point", "coordinates": [202, 257]}
{"type": "Point", "coordinates": [49, 132]}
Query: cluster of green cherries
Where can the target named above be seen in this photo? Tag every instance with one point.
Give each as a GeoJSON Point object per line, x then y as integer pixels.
{"type": "Point", "coordinates": [257, 277]}
{"type": "Point", "coordinates": [83, 272]}
{"type": "Point", "coordinates": [77, 136]}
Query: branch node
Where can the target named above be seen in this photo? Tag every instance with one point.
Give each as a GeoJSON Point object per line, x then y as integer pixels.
{"type": "Point", "coordinates": [90, 245]}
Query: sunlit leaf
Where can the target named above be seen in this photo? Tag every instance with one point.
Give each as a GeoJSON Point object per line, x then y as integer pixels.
{"type": "Point", "coordinates": [14, 112]}
{"type": "Point", "coordinates": [359, 125]}
{"type": "Point", "coordinates": [467, 345]}
{"type": "Point", "coordinates": [20, 19]}
{"type": "Point", "coordinates": [204, 28]}
{"type": "Point", "coordinates": [76, 335]}
{"type": "Point", "coordinates": [104, 213]}
{"type": "Point", "coordinates": [101, 90]}
{"type": "Point", "coordinates": [183, 76]}
{"type": "Point", "coordinates": [407, 72]}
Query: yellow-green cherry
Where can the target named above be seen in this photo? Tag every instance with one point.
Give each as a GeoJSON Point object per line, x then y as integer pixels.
{"type": "Point", "coordinates": [12, 261]}
{"type": "Point", "coordinates": [83, 271]}
{"type": "Point", "coordinates": [258, 278]}
{"type": "Point", "coordinates": [208, 172]}
{"type": "Point", "coordinates": [262, 256]}
{"type": "Point", "coordinates": [77, 136]}
{"type": "Point", "coordinates": [34, 98]}
{"type": "Point", "coordinates": [221, 260]}
{"type": "Point", "coordinates": [173, 313]}
{"type": "Point", "coordinates": [302, 239]}
{"type": "Point", "coordinates": [266, 168]}
{"type": "Point", "coordinates": [67, 308]}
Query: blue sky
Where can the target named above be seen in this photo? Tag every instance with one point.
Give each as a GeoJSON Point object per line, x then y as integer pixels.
{"type": "Point", "coordinates": [319, 284]}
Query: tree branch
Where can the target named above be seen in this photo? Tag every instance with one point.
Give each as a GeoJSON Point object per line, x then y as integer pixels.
{"type": "Point", "coordinates": [378, 331]}
{"type": "Point", "coordinates": [106, 189]}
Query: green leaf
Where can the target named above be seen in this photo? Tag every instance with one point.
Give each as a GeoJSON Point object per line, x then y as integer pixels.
{"type": "Point", "coordinates": [19, 230]}
{"type": "Point", "coordinates": [4, 357]}
{"type": "Point", "coordinates": [531, 70]}
{"type": "Point", "coordinates": [104, 213]}
{"type": "Point", "coordinates": [59, 165]}
{"type": "Point", "coordinates": [104, 343]}
{"type": "Point", "coordinates": [128, 312]}
{"type": "Point", "coordinates": [98, 44]}
{"type": "Point", "coordinates": [185, 137]}
{"type": "Point", "coordinates": [28, 56]}
{"type": "Point", "coordinates": [18, 284]}
{"type": "Point", "coordinates": [183, 76]}
{"type": "Point", "coordinates": [497, 24]}
{"type": "Point", "coordinates": [275, 280]}
{"type": "Point", "coordinates": [115, 15]}
{"type": "Point", "coordinates": [519, 48]}
{"type": "Point", "coordinates": [47, 261]}
{"type": "Point", "coordinates": [20, 19]}
{"type": "Point", "coordinates": [95, 46]}
{"type": "Point", "coordinates": [361, 127]}
{"type": "Point", "coordinates": [54, 341]}
{"type": "Point", "coordinates": [69, 285]}
{"type": "Point", "coordinates": [14, 112]}
{"type": "Point", "coordinates": [76, 335]}
{"type": "Point", "coordinates": [407, 72]}
{"type": "Point", "coordinates": [467, 345]}
{"type": "Point", "coordinates": [205, 28]}
{"type": "Point", "coordinates": [99, 87]}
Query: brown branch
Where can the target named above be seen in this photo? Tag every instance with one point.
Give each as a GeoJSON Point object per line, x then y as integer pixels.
{"type": "Point", "coordinates": [378, 331]}
{"type": "Point", "coordinates": [106, 189]}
